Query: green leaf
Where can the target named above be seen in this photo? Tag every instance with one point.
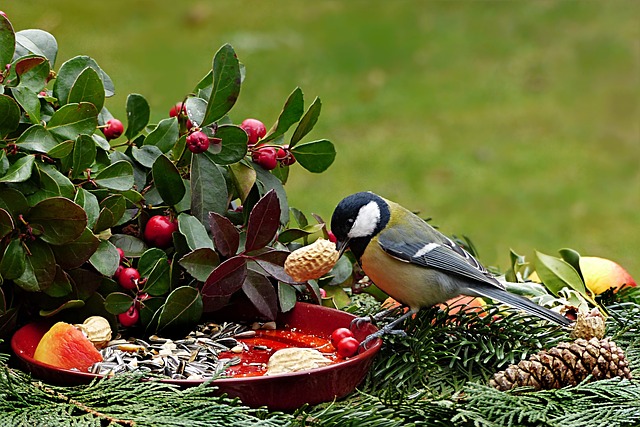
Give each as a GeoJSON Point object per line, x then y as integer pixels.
{"type": "Point", "coordinates": [36, 42]}
{"type": "Point", "coordinates": [196, 109]}
{"type": "Point", "coordinates": [208, 188]}
{"type": "Point", "coordinates": [182, 309]}
{"type": "Point", "coordinates": [117, 176]}
{"type": "Point", "coordinates": [234, 145]}
{"type": "Point", "coordinates": [164, 136]}
{"type": "Point", "coordinates": [29, 102]}
{"type": "Point", "coordinates": [13, 202]}
{"type": "Point", "coordinates": [40, 267]}
{"type": "Point", "coordinates": [244, 178]}
{"type": "Point", "coordinates": [13, 261]}
{"type": "Point", "coordinates": [149, 259]}
{"type": "Point", "coordinates": [266, 181]}
{"type": "Point", "coordinates": [9, 115]}
{"type": "Point", "coordinates": [200, 263]}
{"type": "Point", "coordinates": [19, 171]}
{"type": "Point", "coordinates": [132, 246]}
{"type": "Point", "coordinates": [315, 156]}
{"type": "Point", "coordinates": [69, 72]}
{"type": "Point", "coordinates": [291, 114]}
{"type": "Point", "coordinates": [572, 257]}
{"type": "Point", "coordinates": [72, 120]}
{"type": "Point", "coordinates": [111, 210]}
{"type": "Point", "coordinates": [168, 180]}
{"type": "Point", "coordinates": [6, 223]}
{"type": "Point", "coordinates": [226, 84]}
{"type": "Point", "coordinates": [89, 203]}
{"type": "Point", "coordinates": [52, 184]}
{"type": "Point", "coordinates": [556, 274]}
{"type": "Point", "coordinates": [286, 297]}
{"type": "Point", "coordinates": [7, 42]}
{"type": "Point", "coordinates": [61, 150]}
{"type": "Point", "coordinates": [118, 302]}
{"type": "Point", "coordinates": [60, 220]}
{"type": "Point", "coordinates": [307, 122]}
{"type": "Point", "coordinates": [159, 279]}
{"type": "Point", "coordinates": [74, 254]}
{"type": "Point", "coordinates": [37, 138]}
{"type": "Point", "coordinates": [146, 155]}
{"type": "Point", "coordinates": [88, 87]}
{"type": "Point", "coordinates": [195, 233]}
{"type": "Point", "coordinates": [84, 154]}
{"type": "Point", "coordinates": [138, 113]}
{"type": "Point", "coordinates": [291, 234]}
{"type": "Point", "coordinates": [33, 72]}
{"type": "Point", "coordinates": [61, 286]}
{"type": "Point", "coordinates": [105, 259]}
{"type": "Point", "coordinates": [74, 303]}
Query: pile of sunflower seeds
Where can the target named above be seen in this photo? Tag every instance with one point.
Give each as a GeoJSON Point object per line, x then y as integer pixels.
{"type": "Point", "coordinates": [193, 358]}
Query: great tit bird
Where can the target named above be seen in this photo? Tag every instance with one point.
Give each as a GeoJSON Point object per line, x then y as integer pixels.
{"type": "Point", "coordinates": [413, 262]}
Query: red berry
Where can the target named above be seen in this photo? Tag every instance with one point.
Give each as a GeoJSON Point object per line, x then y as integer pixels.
{"type": "Point", "coordinates": [129, 317]}
{"type": "Point", "coordinates": [128, 278]}
{"type": "Point", "coordinates": [198, 142]}
{"type": "Point", "coordinates": [178, 109]}
{"type": "Point", "coordinates": [116, 275]}
{"type": "Point", "coordinates": [121, 253]}
{"type": "Point", "coordinates": [255, 130]}
{"type": "Point", "coordinates": [265, 157]}
{"type": "Point", "coordinates": [158, 231]}
{"type": "Point", "coordinates": [347, 347]}
{"type": "Point", "coordinates": [281, 154]}
{"type": "Point", "coordinates": [113, 130]}
{"type": "Point", "coordinates": [339, 334]}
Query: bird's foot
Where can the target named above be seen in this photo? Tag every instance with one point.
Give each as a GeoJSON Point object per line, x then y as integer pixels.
{"type": "Point", "coordinates": [358, 322]}
{"type": "Point", "coordinates": [379, 334]}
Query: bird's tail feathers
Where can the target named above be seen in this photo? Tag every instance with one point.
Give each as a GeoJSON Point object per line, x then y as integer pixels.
{"type": "Point", "coordinates": [519, 302]}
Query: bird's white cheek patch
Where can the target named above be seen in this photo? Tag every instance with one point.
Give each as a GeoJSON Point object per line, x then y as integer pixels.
{"type": "Point", "coordinates": [425, 249]}
{"type": "Point", "coordinates": [366, 221]}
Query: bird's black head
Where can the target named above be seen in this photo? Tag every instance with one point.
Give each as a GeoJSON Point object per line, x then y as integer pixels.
{"type": "Point", "coordinates": [358, 218]}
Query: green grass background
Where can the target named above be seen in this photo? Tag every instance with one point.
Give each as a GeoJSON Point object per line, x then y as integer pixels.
{"type": "Point", "coordinates": [516, 123]}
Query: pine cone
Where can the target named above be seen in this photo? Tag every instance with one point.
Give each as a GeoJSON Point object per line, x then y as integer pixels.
{"type": "Point", "coordinates": [589, 325]}
{"type": "Point", "coordinates": [567, 364]}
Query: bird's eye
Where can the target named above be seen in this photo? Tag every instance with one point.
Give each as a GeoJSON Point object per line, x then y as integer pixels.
{"type": "Point", "coordinates": [351, 220]}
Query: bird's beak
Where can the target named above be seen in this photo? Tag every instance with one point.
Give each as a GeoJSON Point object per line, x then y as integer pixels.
{"type": "Point", "coordinates": [342, 246]}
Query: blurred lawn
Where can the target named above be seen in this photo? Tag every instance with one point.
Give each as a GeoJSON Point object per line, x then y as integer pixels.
{"type": "Point", "coordinates": [515, 123]}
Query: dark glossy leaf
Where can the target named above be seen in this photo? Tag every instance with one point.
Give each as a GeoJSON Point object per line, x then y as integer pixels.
{"type": "Point", "coordinates": [89, 203]}
{"type": "Point", "coordinates": [182, 309]}
{"type": "Point", "coordinates": [196, 109]}
{"type": "Point", "coordinates": [286, 297]}
{"type": "Point", "coordinates": [37, 138]}
{"type": "Point", "coordinates": [159, 279]}
{"type": "Point", "coordinates": [290, 114]}
{"type": "Point", "coordinates": [88, 87]}
{"type": "Point", "coordinates": [9, 115]}
{"type": "Point", "coordinates": [6, 223]}
{"type": "Point", "coordinates": [111, 210]}
{"type": "Point", "coordinates": [149, 259]}
{"type": "Point", "coordinates": [61, 220]}
{"type": "Point", "coordinates": [7, 42]}
{"type": "Point", "coordinates": [194, 231]}
{"type": "Point", "coordinates": [118, 302]}
{"type": "Point", "coordinates": [164, 136]}
{"type": "Point", "coordinates": [150, 312]}
{"type": "Point", "coordinates": [234, 145]}
{"type": "Point", "coordinates": [59, 183]}
{"type": "Point", "coordinates": [33, 72]}
{"type": "Point", "coordinates": [291, 234]}
{"type": "Point", "coordinates": [68, 75]}
{"type": "Point", "coordinates": [341, 272]}
{"type": "Point", "coordinates": [19, 171]}
{"type": "Point", "coordinates": [307, 122]}
{"type": "Point", "coordinates": [29, 102]}
{"type": "Point", "coordinates": [13, 260]}
{"type": "Point", "coordinates": [74, 254]}
{"type": "Point", "coordinates": [168, 180]}
{"type": "Point", "coordinates": [315, 156]}
{"type": "Point", "coordinates": [261, 293]}
{"type": "Point", "coordinates": [61, 286]}
{"type": "Point", "coordinates": [36, 42]}
{"type": "Point", "coordinates": [226, 279]}
{"type": "Point", "coordinates": [105, 259]}
{"type": "Point", "coordinates": [117, 176]}
{"type": "Point", "coordinates": [226, 84]}
{"type": "Point", "coordinates": [132, 246]}
{"type": "Point", "coordinates": [87, 282]}
{"type": "Point", "coordinates": [13, 202]}
{"type": "Point", "coordinates": [74, 303]}
{"type": "Point", "coordinates": [72, 120]}
{"type": "Point", "coordinates": [226, 237]}
{"type": "Point", "coordinates": [138, 113]}
{"type": "Point", "coordinates": [84, 154]}
{"type": "Point", "coordinates": [264, 221]}
{"type": "Point", "coordinates": [208, 188]}
{"type": "Point", "coordinates": [146, 155]}
{"type": "Point", "coordinates": [266, 182]}
{"type": "Point", "coordinates": [556, 274]}
{"type": "Point", "coordinates": [40, 267]}
{"type": "Point", "coordinates": [200, 263]}
{"type": "Point", "coordinates": [61, 150]}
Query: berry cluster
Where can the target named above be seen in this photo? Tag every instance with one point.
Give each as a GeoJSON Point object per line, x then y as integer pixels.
{"type": "Point", "coordinates": [344, 342]}
{"type": "Point", "coordinates": [267, 156]}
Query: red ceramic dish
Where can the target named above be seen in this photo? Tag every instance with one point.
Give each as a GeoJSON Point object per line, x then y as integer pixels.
{"type": "Point", "coordinates": [277, 392]}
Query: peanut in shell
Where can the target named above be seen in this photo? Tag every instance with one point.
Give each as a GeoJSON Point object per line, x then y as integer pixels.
{"type": "Point", "coordinates": [311, 261]}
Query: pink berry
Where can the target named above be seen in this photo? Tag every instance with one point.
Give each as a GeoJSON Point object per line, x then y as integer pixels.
{"type": "Point", "coordinates": [198, 142]}
{"type": "Point", "coordinates": [340, 334]}
{"type": "Point", "coordinates": [265, 157]}
{"type": "Point", "coordinates": [323, 293]}
{"type": "Point", "coordinates": [130, 317]}
{"type": "Point", "coordinates": [113, 130]}
{"type": "Point", "coordinates": [116, 275]}
{"type": "Point", "coordinates": [128, 278]}
{"type": "Point", "coordinates": [121, 253]}
{"type": "Point", "coordinates": [178, 109]}
{"type": "Point", "coordinates": [255, 130]}
{"type": "Point", "coordinates": [347, 347]}
{"type": "Point", "coordinates": [159, 231]}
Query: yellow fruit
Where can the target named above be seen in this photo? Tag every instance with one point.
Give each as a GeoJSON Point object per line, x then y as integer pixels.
{"type": "Point", "coordinates": [312, 261]}
{"type": "Point", "coordinates": [601, 274]}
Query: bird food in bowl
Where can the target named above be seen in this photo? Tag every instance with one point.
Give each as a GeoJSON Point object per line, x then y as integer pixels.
{"type": "Point", "coordinates": [282, 366]}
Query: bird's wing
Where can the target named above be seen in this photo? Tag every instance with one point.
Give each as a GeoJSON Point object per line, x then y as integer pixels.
{"type": "Point", "coordinates": [445, 256]}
